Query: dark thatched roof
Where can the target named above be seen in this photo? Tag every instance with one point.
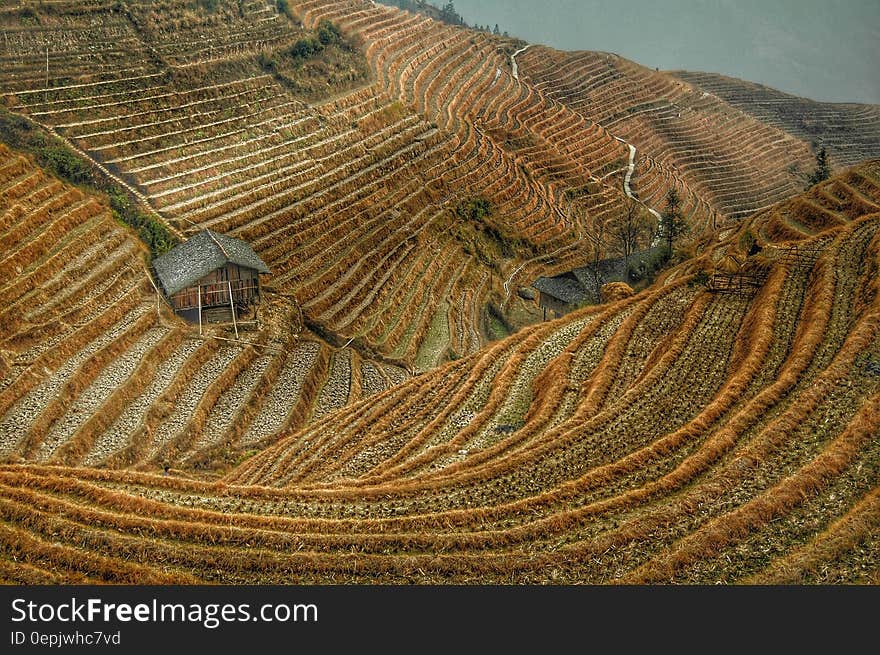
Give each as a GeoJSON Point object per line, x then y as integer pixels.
{"type": "Point", "coordinates": [564, 287]}
{"type": "Point", "coordinates": [193, 259]}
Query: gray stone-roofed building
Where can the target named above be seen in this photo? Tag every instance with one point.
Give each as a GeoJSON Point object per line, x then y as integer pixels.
{"type": "Point", "coordinates": [193, 259]}
{"type": "Point", "coordinates": [211, 278]}
{"type": "Point", "coordinates": [562, 287]}
{"type": "Point", "coordinates": [563, 293]}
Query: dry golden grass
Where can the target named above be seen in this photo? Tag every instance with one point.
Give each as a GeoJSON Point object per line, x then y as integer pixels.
{"type": "Point", "coordinates": [628, 442]}
{"type": "Point", "coordinates": [614, 291]}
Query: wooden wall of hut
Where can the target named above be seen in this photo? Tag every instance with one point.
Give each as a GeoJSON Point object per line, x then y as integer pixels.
{"type": "Point", "coordinates": [245, 283]}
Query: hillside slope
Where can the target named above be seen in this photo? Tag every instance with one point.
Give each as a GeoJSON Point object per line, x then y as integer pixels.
{"type": "Point", "coordinates": [849, 131]}
{"type": "Point", "coordinates": [95, 370]}
{"type": "Point", "coordinates": [361, 202]}
{"type": "Point", "coordinates": [677, 436]}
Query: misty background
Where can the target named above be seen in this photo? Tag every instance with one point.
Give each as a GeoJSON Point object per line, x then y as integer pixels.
{"type": "Point", "coordinates": [826, 50]}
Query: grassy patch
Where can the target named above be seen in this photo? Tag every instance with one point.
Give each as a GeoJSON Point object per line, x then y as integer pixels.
{"type": "Point", "coordinates": [57, 158]}
{"type": "Point", "coordinates": [497, 325]}
{"type": "Point", "coordinates": [496, 329]}
{"type": "Point", "coordinates": [436, 340]}
{"type": "Point", "coordinates": [321, 63]}
{"type": "Point", "coordinates": [479, 238]}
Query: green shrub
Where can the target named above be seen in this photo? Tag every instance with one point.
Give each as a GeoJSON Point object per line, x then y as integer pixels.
{"type": "Point", "coordinates": [153, 233]}
{"type": "Point", "coordinates": [306, 47]}
{"type": "Point", "coordinates": [28, 14]}
{"type": "Point", "coordinates": [267, 62]}
{"type": "Point", "coordinates": [328, 33]}
{"type": "Point", "coordinates": [284, 8]}
{"type": "Point", "coordinates": [645, 265]}
{"type": "Point", "coordinates": [66, 164]}
{"type": "Point", "coordinates": [701, 279]}
{"type": "Point", "coordinates": [62, 162]}
{"type": "Point", "coordinates": [475, 209]}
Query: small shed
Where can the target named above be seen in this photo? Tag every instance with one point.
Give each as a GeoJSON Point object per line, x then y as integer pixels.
{"type": "Point", "coordinates": [212, 278]}
{"type": "Point", "coordinates": [560, 294]}
{"type": "Point", "coordinates": [572, 289]}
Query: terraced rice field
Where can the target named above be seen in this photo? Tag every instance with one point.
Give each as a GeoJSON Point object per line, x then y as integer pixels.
{"type": "Point", "coordinates": [850, 132]}
{"type": "Point", "coordinates": [96, 371]}
{"type": "Point", "coordinates": [726, 162]}
{"type": "Point", "coordinates": [351, 200]}
{"type": "Point", "coordinates": [676, 436]}
{"type": "Point", "coordinates": [679, 435]}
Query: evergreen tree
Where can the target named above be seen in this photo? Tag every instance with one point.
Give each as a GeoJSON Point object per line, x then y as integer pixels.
{"type": "Point", "coordinates": [598, 246]}
{"type": "Point", "coordinates": [672, 226]}
{"type": "Point", "coordinates": [823, 170]}
{"type": "Point", "coordinates": [496, 31]}
{"type": "Point", "coordinates": [449, 15]}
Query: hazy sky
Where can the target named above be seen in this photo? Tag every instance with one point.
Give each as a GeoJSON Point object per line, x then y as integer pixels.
{"type": "Point", "coordinates": [821, 49]}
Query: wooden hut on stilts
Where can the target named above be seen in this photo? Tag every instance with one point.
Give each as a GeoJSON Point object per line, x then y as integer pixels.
{"type": "Point", "coordinates": [212, 278]}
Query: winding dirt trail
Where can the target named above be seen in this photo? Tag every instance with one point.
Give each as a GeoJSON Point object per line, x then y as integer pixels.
{"type": "Point", "coordinates": [513, 65]}
{"type": "Point", "coordinates": [629, 173]}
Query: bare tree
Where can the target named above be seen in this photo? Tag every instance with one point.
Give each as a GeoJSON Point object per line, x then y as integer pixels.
{"type": "Point", "coordinates": [598, 247]}
{"type": "Point", "coordinates": [628, 230]}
